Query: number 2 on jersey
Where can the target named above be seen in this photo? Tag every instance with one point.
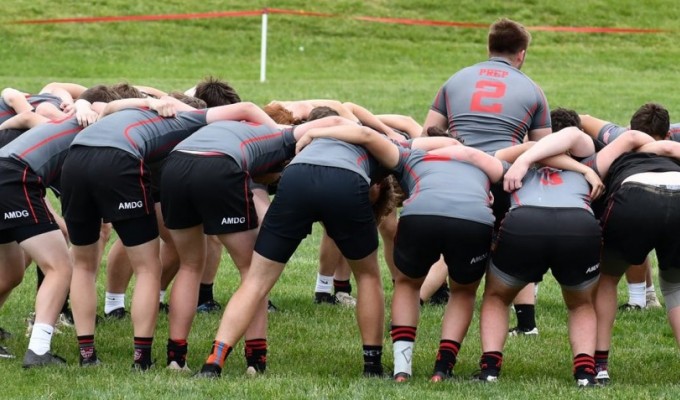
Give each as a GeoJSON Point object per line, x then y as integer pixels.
{"type": "Point", "coordinates": [487, 90]}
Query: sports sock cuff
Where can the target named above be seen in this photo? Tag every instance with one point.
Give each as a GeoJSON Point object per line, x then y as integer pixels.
{"type": "Point", "coordinates": [403, 333]}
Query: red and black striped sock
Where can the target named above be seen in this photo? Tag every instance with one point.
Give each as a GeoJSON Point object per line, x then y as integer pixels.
{"type": "Point", "coordinates": [218, 353]}
{"type": "Point", "coordinates": [446, 356]}
{"type": "Point", "coordinates": [402, 332]}
{"type": "Point", "coordinates": [256, 354]}
{"type": "Point", "coordinates": [584, 365]}
{"type": "Point", "coordinates": [143, 351]}
{"type": "Point", "coordinates": [177, 351]}
{"type": "Point", "coordinates": [491, 360]}
{"type": "Point", "coordinates": [86, 347]}
{"type": "Point", "coordinates": [342, 286]}
{"type": "Point", "coordinates": [602, 359]}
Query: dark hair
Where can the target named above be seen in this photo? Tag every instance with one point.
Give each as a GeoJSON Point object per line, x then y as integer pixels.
{"type": "Point", "coordinates": [652, 119]}
{"type": "Point", "coordinates": [321, 112]}
{"type": "Point", "coordinates": [563, 118]}
{"type": "Point", "coordinates": [387, 198]}
{"type": "Point", "coordinates": [280, 114]}
{"type": "Point", "coordinates": [507, 37]}
{"type": "Point", "coordinates": [100, 93]}
{"type": "Point", "coordinates": [190, 100]}
{"type": "Point", "coordinates": [216, 92]}
{"type": "Point", "coordinates": [127, 91]}
{"type": "Point", "coordinates": [435, 131]}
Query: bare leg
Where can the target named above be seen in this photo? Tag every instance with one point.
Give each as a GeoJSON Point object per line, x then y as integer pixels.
{"type": "Point", "coordinates": [388, 231]}
{"type": "Point", "coordinates": [605, 307]}
{"type": "Point", "coordinates": [434, 280]}
{"type": "Point", "coordinates": [147, 267]}
{"type": "Point", "coordinates": [83, 287]}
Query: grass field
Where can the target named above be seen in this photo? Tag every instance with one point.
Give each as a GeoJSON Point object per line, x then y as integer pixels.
{"type": "Point", "coordinates": [315, 351]}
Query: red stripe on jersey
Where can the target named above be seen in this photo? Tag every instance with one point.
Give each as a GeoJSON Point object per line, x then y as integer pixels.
{"type": "Point", "coordinates": [525, 121]}
{"type": "Point", "coordinates": [139, 123]}
{"type": "Point", "coordinates": [361, 159]}
{"type": "Point", "coordinates": [253, 140]}
{"type": "Point", "coordinates": [141, 185]}
{"type": "Point", "coordinates": [49, 139]}
{"type": "Point", "coordinates": [416, 189]}
{"type": "Point", "coordinates": [245, 195]}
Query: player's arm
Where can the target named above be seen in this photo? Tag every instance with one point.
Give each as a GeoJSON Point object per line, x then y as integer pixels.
{"type": "Point", "coordinates": [568, 139]}
{"type": "Point", "coordinates": [151, 91]}
{"type": "Point", "coordinates": [436, 119]}
{"type": "Point", "coordinates": [666, 148]}
{"type": "Point", "coordinates": [538, 134]}
{"type": "Point", "coordinates": [402, 123]}
{"type": "Point", "coordinates": [244, 111]}
{"type": "Point", "coordinates": [369, 119]}
{"type": "Point", "coordinates": [72, 90]}
{"type": "Point", "coordinates": [433, 143]}
{"type": "Point", "coordinates": [301, 130]}
{"type": "Point", "coordinates": [566, 163]}
{"type": "Point", "coordinates": [386, 152]}
{"type": "Point", "coordinates": [166, 107]}
{"type": "Point", "coordinates": [25, 120]}
{"type": "Point", "coordinates": [627, 141]}
{"type": "Point", "coordinates": [489, 164]}
{"type": "Point", "coordinates": [592, 125]}
{"type": "Point", "coordinates": [16, 100]}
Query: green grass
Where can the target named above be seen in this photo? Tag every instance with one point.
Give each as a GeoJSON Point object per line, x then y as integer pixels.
{"type": "Point", "coordinates": [315, 351]}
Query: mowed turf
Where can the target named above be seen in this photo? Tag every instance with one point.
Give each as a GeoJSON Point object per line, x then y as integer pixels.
{"type": "Point", "coordinates": [389, 68]}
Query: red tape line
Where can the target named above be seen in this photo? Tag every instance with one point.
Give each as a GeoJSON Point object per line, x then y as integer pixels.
{"type": "Point", "coordinates": [401, 21]}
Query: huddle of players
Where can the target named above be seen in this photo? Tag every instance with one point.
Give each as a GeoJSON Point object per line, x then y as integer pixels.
{"type": "Point", "coordinates": [490, 106]}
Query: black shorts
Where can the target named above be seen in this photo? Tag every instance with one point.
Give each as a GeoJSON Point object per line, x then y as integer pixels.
{"type": "Point", "coordinates": [640, 218]}
{"type": "Point", "coordinates": [307, 193]}
{"type": "Point", "coordinates": [501, 203]}
{"type": "Point", "coordinates": [8, 135]}
{"type": "Point", "coordinates": [533, 239]}
{"type": "Point", "coordinates": [103, 183]}
{"type": "Point", "coordinates": [23, 211]}
{"type": "Point", "coordinates": [155, 169]}
{"type": "Point", "coordinates": [209, 190]}
{"type": "Point", "coordinates": [421, 239]}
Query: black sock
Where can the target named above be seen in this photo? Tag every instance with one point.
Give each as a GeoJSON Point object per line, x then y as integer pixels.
{"type": "Point", "coordinates": [177, 351]}
{"type": "Point", "coordinates": [342, 286]}
{"type": "Point", "coordinates": [205, 293]}
{"type": "Point", "coordinates": [143, 351]}
{"type": "Point", "coordinates": [446, 356]}
{"type": "Point", "coordinates": [584, 366]}
{"type": "Point", "coordinates": [526, 316]}
{"type": "Point", "coordinates": [602, 359]}
{"type": "Point", "coordinates": [491, 360]}
{"type": "Point", "coordinates": [86, 347]}
{"type": "Point", "coordinates": [256, 354]}
{"type": "Point", "coordinates": [373, 360]}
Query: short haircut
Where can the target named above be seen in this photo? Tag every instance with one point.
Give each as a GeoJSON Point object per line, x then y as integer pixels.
{"type": "Point", "coordinates": [127, 91]}
{"type": "Point", "coordinates": [189, 100]}
{"type": "Point", "coordinates": [508, 37]}
{"type": "Point", "coordinates": [280, 114]}
{"type": "Point", "coordinates": [321, 112]}
{"type": "Point", "coordinates": [216, 92]}
{"type": "Point", "coordinates": [100, 93]}
{"type": "Point", "coordinates": [652, 119]}
{"type": "Point", "coordinates": [563, 118]}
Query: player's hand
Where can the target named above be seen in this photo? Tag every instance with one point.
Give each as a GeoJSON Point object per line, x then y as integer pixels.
{"type": "Point", "coordinates": [597, 187]}
{"type": "Point", "coordinates": [302, 143]}
{"type": "Point", "coordinates": [86, 116]}
{"type": "Point", "coordinates": [164, 108]}
{"type": "Point", "coordinates": [513, 178]}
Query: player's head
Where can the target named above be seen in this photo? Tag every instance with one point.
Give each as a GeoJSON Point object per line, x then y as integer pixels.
{"type": "Point", "coordinates": [101, 93]}
{"type": "Point", "coordinates": [189, 100]}
{"type": "Point", "coordinates": [321, 112]}
{"type": "Point", "coordinates": [280, 114]}
{"type": "Point", "coordinates": [562, 118]}
{"type": "Point", "coordinates": [508, 39]}
{"type": "Point", "coordinates": [127, 91]}
{"type": "Point", "coordinates": [216, 92]}
{"type": "Point", "coordinates": [652, 119]}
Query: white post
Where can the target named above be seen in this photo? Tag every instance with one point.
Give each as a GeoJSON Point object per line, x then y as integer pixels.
{"type": "Point", "coordinates": [263, 47]}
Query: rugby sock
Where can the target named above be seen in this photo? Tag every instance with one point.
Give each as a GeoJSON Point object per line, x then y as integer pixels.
{"type": "Point", "coordinates": [373, 360]}
{"type": "Point", "coordinates": [113, 301]}
{"type": "Point", "coordinates": [602, 359]}
{"type": "Point", "coordinates": [256, 354]}
{"type": "Point", "coordinates": [584, 365]}
{"type": "Point", "coordinates": [637, 294]}
{"type": "Point", "coordinates": [143, 351]}
{"type": "Point", "coordinates": [342, 286]}
{"type": "Point", "coordinates": [177, 351]}
{"type": "Point", "coordinates": [41, 337]}
{"type": "Point", "coordinates": [86, 347]}
{"type": "Point", "coordinates": [218, 353]}
{"type": "Point", "coordinates": [650, 289]}
{"type": "Point", "coordinates": [446, 356]}
{"type": "Point", "coordinates": [324, 283]}
{"type": "Point", "coordinates": [491, 360]}
{"type": "Point", "coordinates": [205, 293]}
{"type": "Point", "coordinates": [526, 316]}
{"type": "Point", "coordinates": [403, 338]}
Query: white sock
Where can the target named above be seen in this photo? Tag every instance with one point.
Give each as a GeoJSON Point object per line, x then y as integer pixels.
{"type": "Point", "coordinates": [113, 301]}
{"type": "Point", "coordinates": [403, 355]}
{"type": "Point", "coordinates": [41, 338]}
{"type": "Point", "coordinates": [650, 289]}
{"type": "Point", "coordinates": [636, 294]}
{"type": "Point", "coordinates": [162, 296]}
{"type": "Point", "coordinates": [324, 283]}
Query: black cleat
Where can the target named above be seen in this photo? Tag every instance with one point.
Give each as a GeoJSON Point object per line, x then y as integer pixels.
{"type": "Point", "coordinates": [118, 313]}
{"type": "Point", "coordinates": [34, 360]}
{"type": "Point", "coordinates": [209, 371]}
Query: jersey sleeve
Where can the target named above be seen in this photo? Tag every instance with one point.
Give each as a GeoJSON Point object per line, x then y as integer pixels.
{"type": "Point", "coordinates": [193, 119]}
{"type": "Point", "coordinates": [440, 103]}
{"type": "Point", "coordinates": [610, 132]}
{"type": "Point", "coordinates": [542, 114]}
